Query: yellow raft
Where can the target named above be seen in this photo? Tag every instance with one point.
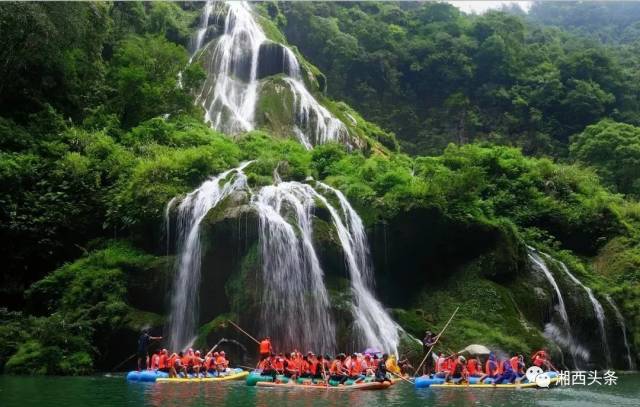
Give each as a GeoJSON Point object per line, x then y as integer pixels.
{"type": "Point", "coordinates": [232, 376]}
{"type": "Point", "coordinates": [553, 382]}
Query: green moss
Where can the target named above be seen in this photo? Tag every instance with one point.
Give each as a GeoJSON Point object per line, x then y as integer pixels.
{"type": "Point", "coordinates": [211, 327]}
{"type": "Point", "coordinates": [242, 288]}
{"type": "Point", "coordinates": [137, 320]}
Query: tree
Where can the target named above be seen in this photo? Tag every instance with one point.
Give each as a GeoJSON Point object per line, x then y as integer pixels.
{"type": "Point", "coordinates": [614, 150]}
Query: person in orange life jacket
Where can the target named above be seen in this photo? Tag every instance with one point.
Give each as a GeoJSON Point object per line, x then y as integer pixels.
{"type": "Point", "coordinates": [490, 368]}
{"type": "Point", "coordinates": [178, 365]}
{"type": "Point", "coordinates": [267, 365]}
{"type": "Point", "coordinates": [508, 375]}
{"type": "Point", "coordinates": [305, 365]}
{"type": "Point", "coordinates": [355, 368]}
{"type": "Point", "coordinates": [265, 348]}
{"type": "Point", "coordinates": [221, 362]}
{"type": "Point", "coordinates": [318, 368]}
{"type": "Point", "coordinates": [278, 363]}
{"type": "Point", "coordinates": [163, 361]}
{"type": "Point", "coordinates": [338, 370]}
{"type": "Point", "coordinates": [458, 370]}
{"type": "Point", "coordinates": [542, 360]}
{"type": "Point", "coordinates": [381, 370]}
{"type": "Point", "coordinates": [517, 364]}
{"type": "Point", "coordinates": [441, 366]}
{"type": "Point", "coordinates": [155, 360]}
{"type": "Point", "coordinates": [291, 366]}
{"type": "Point", "coordinates": [473, 367]}
{"type": "Point", "coordinates": [143, 347]}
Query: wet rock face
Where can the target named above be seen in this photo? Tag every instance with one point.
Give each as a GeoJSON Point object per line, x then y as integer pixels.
{"type": "Point", "coordinates": [273, 60]}
{"type": "Point", "coordinates": [229, 230]}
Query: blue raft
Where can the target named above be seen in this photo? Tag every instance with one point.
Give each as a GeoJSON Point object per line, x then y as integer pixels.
{"type": "Point", "coordinates": [145, 376]}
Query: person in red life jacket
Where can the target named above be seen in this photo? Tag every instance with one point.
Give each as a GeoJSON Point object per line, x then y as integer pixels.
{"type": "Point", "coordinates": [473, 367]}
{"type": "Point", "coordinates": [179, 366]}
{"type": "Point", "coordinates": [197, 363]}
{"type": "Point", "coordinates": [155, 360]}
{"type": "Point", "coordinates": [265, 348]}
{"type": "Point", "coordinates": [267, 365]}
{"type": "Point", "coordinates": [507, 375]}
{"type": "Point", "coordinates": [542, 360]}
{"type": "Point", "coordinates": [458, 370]}
{"type": "Point", "coordinates": [305, 365]}
{"type": "Point", "coordinates": [318, 369]}
{"type": "Point", "coordinates": [356, 368]}
{"type": "Point", "coordinates": [441, 366]}
{"type": "Point", "coordinates": [221, 363]}
{"type": "Point", "coordinates": [163, 361]}
{"type": "Point", "coordinates": [370, 368]}
{"type": "Point", "coordinates": [517, 364]}
{"type": "Point", "coordinates": [291, 366]}
{"type": "Point", "coordinates": [490, 368]}
{"type": "Point", "coordinates": [278, 364]}
{"type": "Point", "coordinates": [338, 370]}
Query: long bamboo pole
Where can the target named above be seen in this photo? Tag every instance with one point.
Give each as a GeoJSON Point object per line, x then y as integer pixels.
{"type": "Point", "coordinates": [244, 332]}
{"type": "Point", "coordinates": [435, 343]}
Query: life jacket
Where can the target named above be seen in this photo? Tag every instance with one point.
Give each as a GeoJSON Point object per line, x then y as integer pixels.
{"type": "Point", "coordinates": [186, 360]}
{"type": "Point", "coordinates": [450, 365]}
{"type": "Point", "coordinates": [155, 360]}
{"type": "Point", "coordinates": [265, 364]}
{"type": "Point", "coordinates": [336, 367]}
{"type": "Point", "coordinates": [515, 363]}
{"type": "Point", "coordinates": [162, 363]}
{"type": "Point", "coordinates": [472, 366]}
{"type": "Point", "coordinates": [292, 366]}
{"type": "Point", "coordinates": [491, 367]}
{"type": "Point", "coordinates": [500, 367]}
{"type": "Point", "coordinates": [265, 346]}
{"type": "Point", "coordinates": [355, 367]}
{"type": "Point", "coordinates": [279, 364]}
{"type": "Point", "coordinates": [314, 366]}
{"type": "Point", "coordinates": [221, 361]}
{"type": "Point", "coordinates": [440, 364]}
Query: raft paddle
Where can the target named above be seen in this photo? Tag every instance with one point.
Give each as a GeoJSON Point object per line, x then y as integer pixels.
{"type": "Point", "coordinates": [243, 331]}
{"type": "Point", "coordinates": [436, 341]}
{"type": "Point", "coordinates": [401, 377]}
{"type": "Point", "coordinates": [216, 345]}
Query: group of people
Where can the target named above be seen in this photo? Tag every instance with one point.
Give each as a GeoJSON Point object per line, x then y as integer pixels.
{"type": "Point", "coordinates": [510, 369]}
{"type": "Point", "coordinates": [181, 364]}
{"type": "Point", "coordinates": [355, 366]}
{"type": "Point", "coordinates": [189, 364]}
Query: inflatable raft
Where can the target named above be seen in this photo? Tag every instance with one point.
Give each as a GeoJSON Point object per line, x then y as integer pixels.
{"type": "Point", "coordinates": [256, 379]}
{"type": "Point", "coordinates": [437, 382]}
{"type": "Point", "coordinates": [162, 377]}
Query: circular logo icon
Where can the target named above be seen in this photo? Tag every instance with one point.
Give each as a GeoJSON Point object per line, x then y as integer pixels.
{"type": "Point", "coordinates": [543, 380]}
{"type": "Point", "coordinates": [532, 372]}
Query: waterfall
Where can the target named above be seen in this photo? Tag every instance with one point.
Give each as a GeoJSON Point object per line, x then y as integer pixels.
{"type": "Point", "coordinates": [232, 89]}
{"type": "Point", "coordinates": [295, 309]}
{"type": "Point", "coordinates": [551, 330]}
{"type": "Point", "coordinates": [623, 326]}
{"type": "Point", "coordinates": [191, 210]}
{"type": "Point", "coordinates": [371, 319]}
{"type": "Point", "coordinates": [295, 303]}
{"type": "Point", "coordinates": [597, 309]}
{"type": "Point", "coordinates": [197, 41]}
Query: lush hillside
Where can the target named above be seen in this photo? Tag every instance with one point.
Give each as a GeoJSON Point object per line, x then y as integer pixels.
{"type": "Point", "coordinates": [434, 75]}
{"type": "Point", "coordinates": [98, 132]}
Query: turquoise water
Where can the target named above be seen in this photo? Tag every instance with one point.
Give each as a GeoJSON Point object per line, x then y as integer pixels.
{"type": "Point", "coordinates": [115, 391]}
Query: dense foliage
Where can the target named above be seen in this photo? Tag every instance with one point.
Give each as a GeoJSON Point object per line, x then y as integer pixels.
{"type": "Point", "coordinates": [97, 134]}
{"type": "Point", "coordinates": [434, 75]}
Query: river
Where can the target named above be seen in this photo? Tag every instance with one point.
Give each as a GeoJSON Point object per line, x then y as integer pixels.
{"type": "Point", "coordinates": [114, 391]}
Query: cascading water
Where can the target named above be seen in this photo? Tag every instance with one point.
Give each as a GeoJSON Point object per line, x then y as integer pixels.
{"type": "Point", "coordinates": [371, 319]}
{"type": "Point", "coordinates": [597, 309]}
{"type": "Point", "coordinates": [623, 326]}
{"type": "Point", "coordinates": [295, 308]}
{"type": "Point", "coordinates": [295, 303]}
{"type": "Point", "coordinates": [191, 210]}
{"type": "Point", "coordinates": [230, 93]}
{"type": "Point", "coordinates": [197, 41]}
{"type": "Point", "coordinates": [553, 332]}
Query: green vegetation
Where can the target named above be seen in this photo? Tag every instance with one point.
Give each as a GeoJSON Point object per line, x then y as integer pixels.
{"type": "Point", "coordinates": [96, 137]}
{"type": "Point", "coordinates": [434, 75]}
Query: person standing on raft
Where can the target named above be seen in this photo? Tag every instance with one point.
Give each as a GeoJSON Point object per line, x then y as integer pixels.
{"type": "Point", "coordinates": [265, 348]}
{"type": "Point", "coordinates": [427, 343]}
{"type": "Point", "coordinates": [143, 347]}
